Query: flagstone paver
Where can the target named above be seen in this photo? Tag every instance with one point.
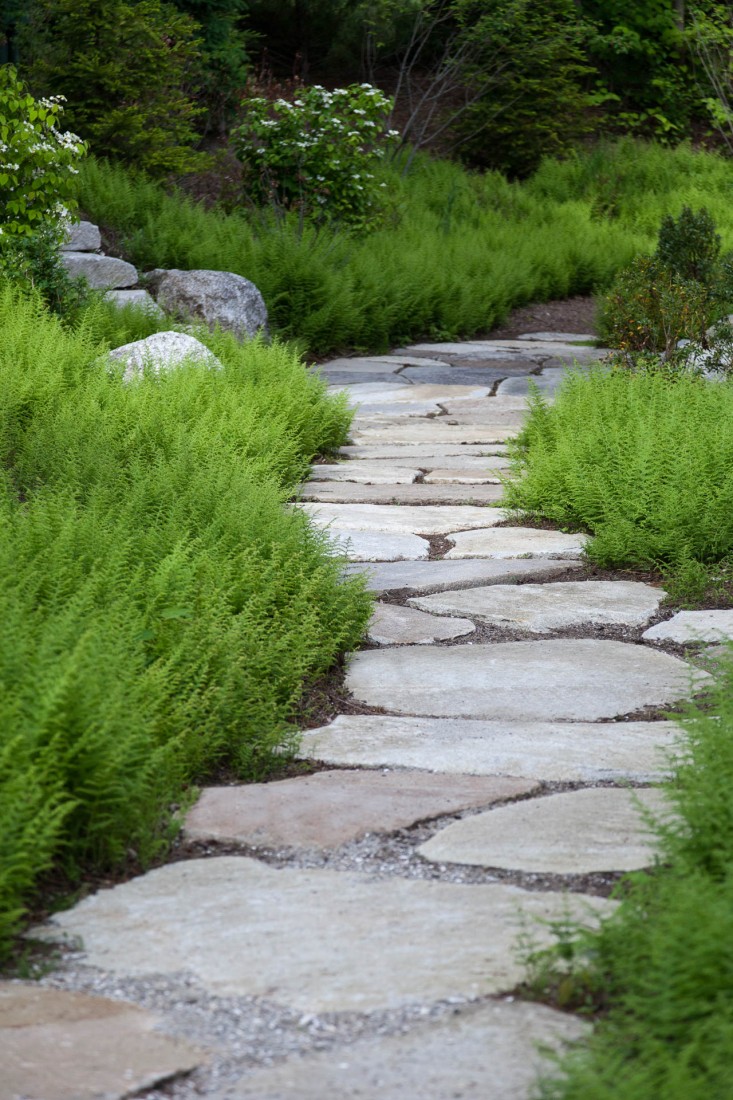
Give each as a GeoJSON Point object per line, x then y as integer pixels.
{"type": "Point", "coordinates": [516, 542]}
{"type": "Point", "coordinates": [459, 476]}
{"type": "Point", "coordinates": [547, 382]}
{"type": "Point", "coordinates": [373, 546]}
{"type": "Point", "coordinates": [576, 832]}
{"type": "Point", "coordinates": [542, 608]}
{"type": "Point", "coordinates": [318, 941]}
{"type": "Point", "coordinates": [56, 1045]}
{"type": "Point", "coordinates": [354, 493]}
{"type": "Point", "coordinates": [693, 626]}
{"type": "Point", "coordinates": [481, 1053]}
{"type": "Point", "coordinates": [559, 337]}
{"type": "Point", "coordinates": [466, 375]}
{"type": "Point", "coordinates": [403, 429]}
{"type": "Point", "coordinates": [410, 519]}
{"type": "Point", "coordinates": [392, 624]}
{"type": "Point", "coordinates": [409, 452]}
{"type": "Point", "coordinates": [365, 473]}
{"type": "Point", "coordinates": [333, 807]}
{"type": "Point", "coordinates": [574, 679]}
{"type": "Point", "coordinates": [557, 752]}
{"type": "Point", "coordinates": [436, 576]}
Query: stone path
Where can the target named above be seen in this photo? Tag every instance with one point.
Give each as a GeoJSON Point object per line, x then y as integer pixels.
{"type": "Point", "coordinates": [353, 932]}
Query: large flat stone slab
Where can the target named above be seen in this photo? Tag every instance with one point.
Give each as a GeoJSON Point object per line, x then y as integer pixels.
{"type": "Point", "coordinates": [542, 608]}
{"type": "Point", "coordinates": [480, 349]}
{"type": "Point", "coordinates": [555, 752]}
{"type": "Point", "coordinates": [480, 1053]}
{"type": "Point", "coordinates": [56, 1045]}
{"type": "Point", "coordinates": [464, 375]}
{"type": "Point", "coordinates": [350, 492]}
{"type": "Point", "coordinates": [384, 410]}
{"type": "Point", "coordinates": [372, 365]}
{"type": "Point", "coordinates": [574, 833]}
{"type": "Point", "coordinates": [378, 546]}
{"type": "Point", "coordinates": [343, 378]}
{"type": "Point", "coordinates": [458, 476]}
{"type": "Point", "coordinates": [364, 473]}
{"type": "Point", "coordinates": [693, 626]}
{"type": "Point", "coordinates": [101, 272]}
{"type": "Point", "coordinates": [407, 453]}
{"type": "Point", "coordinates": [547, 383]}
{"type": "Point", "coordinates": [457, 395]}
{"type": "Point", "coordinates": [462, 464]}
{"type": "Point", "coordinates": [437, 576]}
{"type": "Point", "coordinates": [572, 679]}
{"type": "Point", "coordinates": [333, 807]}
{"type": "Point", "coordinates": [517, 542]}
{"type": "Point", "coordinates": [404, 429]}
{"type": "Point", "coordinates": [392, 624]}
{"type": "Point", "coordinates": [404, 518]}
{"type": "Point", "coordinates": [318, 941]}
{"type": "Point", "coordinates": [559, 337]}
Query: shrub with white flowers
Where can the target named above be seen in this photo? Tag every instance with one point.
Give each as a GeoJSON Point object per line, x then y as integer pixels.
{"type": "Point", "coordinates": [317, 152]}
{"type": "Point", "coordinates": [37, 161]}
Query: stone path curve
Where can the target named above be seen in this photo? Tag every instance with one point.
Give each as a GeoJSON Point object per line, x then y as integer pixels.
{"type": "Point", "coordinates": [354, 932]}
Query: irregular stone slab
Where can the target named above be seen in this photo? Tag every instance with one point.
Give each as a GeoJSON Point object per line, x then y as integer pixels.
{"type": "Point", "coordinates": [392, 624]}
{"type": "Point", "coordinates": [559, 337]}
{"type": "Point", "coordinates": [554, 752]}
{"type": "Point", "coordinates": [517, 542]}
{"type": "Point", "coordinates": [331, 808]}
{"type": "Point", "coordinates": [458, 396]}
{"type": "Point", "coordinates": [571, 679]}
{"type": "Point", "coordinates": [467, 375]}
{"type": "Point", "coordinates": [462, 477]}
{"type": "Point", "coordinates": [480, 1053]}
{"type": "Point", "coordinates": [56, 1045]}
{"type": "Point", "coordinates": [318, 941]}
{"type": "Point", "coordinates": [162, 351]}
{"type": "Point", "coordinates": [219, 299]}
{"type": "Point", "coordinates": [547, 383]}
{"type": "Point", "coordinates": [101, 272]}
{"type": "Point", "coordinates": [407, 453]}
{"type": "Point", "coordinates": [409, 519]}
{"type": "Point", "coordinates": [511, 411]}
{"type": "Point", "coordinates": [574, 833]}
{"type": "Point", "coordinates": [478, 349]}
{"type": "Point", "coordinates": [371, 365]}
{"type": "Point", "coordinates": [365, 473]}
{"type": "Point", "coordinates": [387, 362]}
{"type": "Point", "coordinates": [474, 464]}
{"type": "Point", "coordinates": [138, 298]}
{"type": "Point", "coordinates": [437, 576]}
{"type": "Point", "coordinates": [385, 410]}
{"type": "Point", "coordinates": [404, 429]}
{"type": "Point", "coordinates": [541, 608]}
{"type": "Point", "coordinates": [693, 626]}
{"type": "Point", "coordinates": [378, 546]}
{"type": "Point", "coordinates": [82, 237]}
{"type": "Point", "coordinates": [340, 379]}
{"type": "Point", "coordinates": [351, 492]}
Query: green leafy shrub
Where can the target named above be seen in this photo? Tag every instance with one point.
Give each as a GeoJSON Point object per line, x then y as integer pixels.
{"type": "Point", "coordinates": [317, 153]}
{"type": "Point", "coordinates": [125, 69]}
{"type": "Point", "coordinates": [161, 611]}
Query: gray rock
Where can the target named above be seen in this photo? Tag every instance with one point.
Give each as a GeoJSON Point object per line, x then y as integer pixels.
{"type": "Point", "coordinates": [365, 473]}
{"type": "Point", "coordinates": [162, 351]}
{"type": "Point", "coordinates": [466, 375]}
{"type": "Point", "coordinates": [570, 679]}
{"type": "Point", "coordinates": [573, 833]}
{"type": "Point", "coordinates": [559, 337]}
{"type": "Point", "coordinates": [547, 383]}
{"type": "Point", "coordinates": [459, 476]}
{"type": "Point", "coordinates": [405, 430]}
{"type": "Point", "coordinates": [412, 519]}
{"type": "Point", "coordinates": [56, 1045]}
{"type": "Point", "coordinates": [82, 237]}
{"type": "Point", "coordinates": [333, 807]}
{"type": "Point", "coordinates": [516, 542]}
{"type": "Point", "coordinates": [553, 752]}
{"type": "Point", "coordinates": [485, 1052]}
{"type": "Point", "coordinates": [407, 453]}
{"type": "Point", "coordinates": [371, 365]}
{"type": "Point", "coordinates": [216, 298]}
{"type": "Point", "coordinates": [101, 272]}
{"type": "Point", "coordinates": [318, 941]}
{"type": "Point", "coordinates": [392, 624]}
{"type": "Point", "coordinates": [139, 298]}
{"type": "Point", "coordinates": [436, 576]}
{"type": "Point", "coordinates": [541, 608]}
{"type": "Point", "coordinates": [378, 546]}
{"type": "Point", "coordinates": [353, 493]}
{"type": "Point", "coordinates": [693, 626]}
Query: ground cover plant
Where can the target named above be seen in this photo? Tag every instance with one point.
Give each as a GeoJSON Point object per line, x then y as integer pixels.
{"type": "Point", "coordinates": [161, 610]}
{"type": "Point", "coordinates": [459, 251]}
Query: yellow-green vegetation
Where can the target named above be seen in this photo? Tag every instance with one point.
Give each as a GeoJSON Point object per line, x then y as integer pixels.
{"type": "Point", "coordinates": [161, 609]}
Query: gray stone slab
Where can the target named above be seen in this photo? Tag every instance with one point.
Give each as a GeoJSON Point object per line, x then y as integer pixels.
{"type": "Point", "coordinates": [693, 626]}
{"type": "Point", "coordinates": [465, 375]}
{"type": "Point", "coordinates": [342, 378]}
{"type": "Point", "coordinates": [332, 808]}
{"type": "Point", "coordinates": [365, 473]}
{"type": "Point", "coordinates": [547, 383]}
{"type": "Point", "coordinates": [542, 608]}
{"type": "Point", "coordinates": [392, 624]}
{"type": "Point", "coordinates": [378, 546]}
{"type": "Point", "coordinates": [317, 941]}
{"type": "Point", "coordinates": [386, 410]}
{"type": "Point", "coordinates": [406, 453]}
{"type": "Point", "coordinates": [478, 349]}
{"type": "Point", "coordinates": [82, 237]}
{"type": "Point", "coordinates": [437, 576]}
{"type": "Point", "coordinates": [456, 395]}
{"type": "Point", "coordinates": [56, 1045]}
{"type": "Point", "coordinates": [413, 519]}
{"type": "Point", "coordinates": [101, 272]}
{"type": "Point", "coordinates": [138, 298]}
{"type": "Point", "coordinates": [407, 430]}
{"type": "Point", "coordinates": [570, 679]}
{"type": "Point", "coordinates": [553, 752]}
{"type": "Point", "coordinates": [491, 1051]}
{"type": "Point", "coordinates": [559, 337]}
{"type": "Point", "coordinates": [470, 464]}
{"type": "Point", "coordinates": [573, 833]}
{"type": "Point", "coordinates": [348, 492]}
{"type": "Point", "coordinates": [490, 410]}
{"type": "Point", "coordinates": [458, 476]}
{"type": "Point", "coordinates": [516, 542]}
{"type": "Point", "coordinates": [366, 365]}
